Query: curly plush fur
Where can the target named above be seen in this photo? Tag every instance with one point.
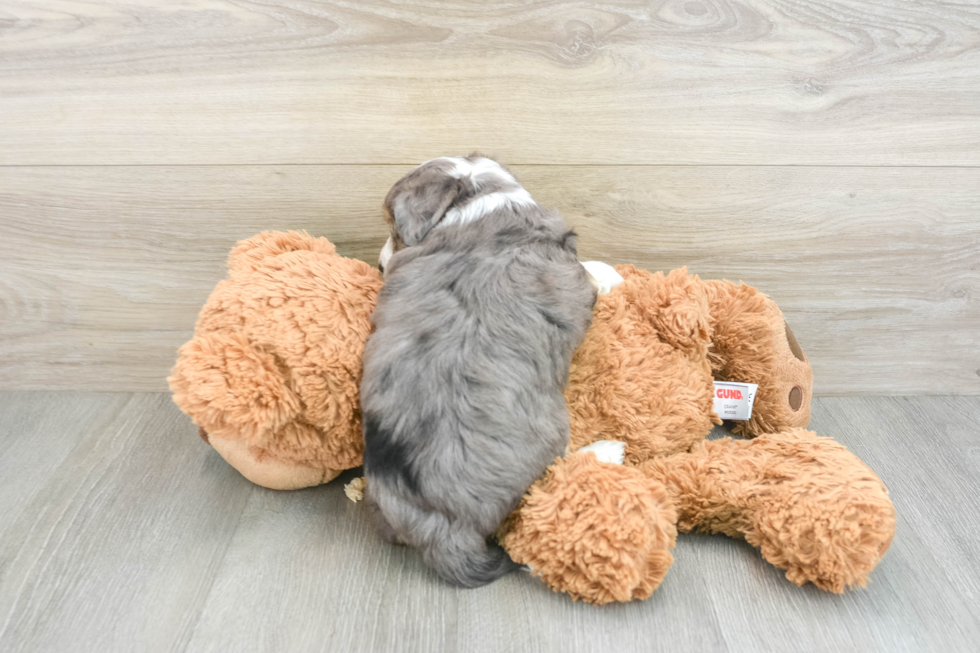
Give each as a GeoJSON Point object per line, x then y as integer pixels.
{"type": "Point", "coordinates": [643, 376]}
{"type": "Point", "coordinates": [752, 343]}
{"type": "Point", "coordinates": [810, 505]}
{"type": "Point", "coordinates": [598, 531]}
{"type": "Point", "coordinates": [271, 375]}
{"type": "Point", "coordinates": [644, 373]}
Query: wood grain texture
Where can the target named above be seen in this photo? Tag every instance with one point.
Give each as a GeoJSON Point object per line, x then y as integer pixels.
{"type": "Point", "coordinates": [852, 82]}
{"type": "Point", "coordinates": [39, 432]}
{"type": "Point", "coordinates": [118, 548]}
{"type": "Point", "coordinates": [103, 269]}
{"type": "Point", "coordinates": [924, 449]}
{"type": "Point", "coordinates": [141, 538]}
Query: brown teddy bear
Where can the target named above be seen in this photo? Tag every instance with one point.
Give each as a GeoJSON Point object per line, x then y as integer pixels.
{"type": "Point", "coordinates": [272, 372]}
{"type": "Point", "coordinates": [644, 376]}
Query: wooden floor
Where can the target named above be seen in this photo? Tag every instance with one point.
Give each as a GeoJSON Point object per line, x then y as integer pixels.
{"type": "Point", "coordinates": [122, 531]}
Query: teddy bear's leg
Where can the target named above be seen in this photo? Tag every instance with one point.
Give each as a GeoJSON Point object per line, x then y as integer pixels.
{"type": "Point", "coordinates": [267, 471]}
{"type": "Point", "coordinates": [810, 505]}
{"type": "Point", "coordinates": [752, 343]}
{"type": "Point", "coordinates": [597, 531]}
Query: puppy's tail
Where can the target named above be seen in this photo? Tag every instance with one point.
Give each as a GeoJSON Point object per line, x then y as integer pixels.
{"type": "Point", "coordinates": [466, 559]}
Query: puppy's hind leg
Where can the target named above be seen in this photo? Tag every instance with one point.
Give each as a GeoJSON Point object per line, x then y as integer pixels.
{"type": "Point", "coordinates": [463, 557]}
{"type": "Point", "coordinates": [385, 530]}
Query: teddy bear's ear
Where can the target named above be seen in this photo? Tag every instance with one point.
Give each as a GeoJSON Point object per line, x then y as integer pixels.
{"type": "Point", "coordinates": [249, 254]}
{"type": "Point", "coordinates": [674, 305]}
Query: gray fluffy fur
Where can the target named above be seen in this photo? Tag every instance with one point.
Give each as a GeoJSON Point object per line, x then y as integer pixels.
{"type": "Point", "coordinates": [462, 393]}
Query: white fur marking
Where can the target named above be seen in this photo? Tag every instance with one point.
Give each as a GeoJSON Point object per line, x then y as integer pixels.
{"type": "Point", "coordinates": [602, 275]}
{"type": "Point", "coordinates": [386, 253]}
{"type": "Point", "coordinates": [607, 451]}
{"type": "Point", "coordinates": [485, 204]}
{"type": "Point", "coordinates": [473, 169]}
{"type": "Point", "coordinates": [461, 167]}
{"type": "Point", "coordinates": [491, 168]}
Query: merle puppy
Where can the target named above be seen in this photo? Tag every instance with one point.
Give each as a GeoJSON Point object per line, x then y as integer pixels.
{"type": "Point", "coordinates": [483, 305]}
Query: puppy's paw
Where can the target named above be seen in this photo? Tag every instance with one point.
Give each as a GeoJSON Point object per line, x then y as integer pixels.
{"type": "Point", "coordinates": [607, 451]}
{"type": "Point", "coordinates": [602, 275]}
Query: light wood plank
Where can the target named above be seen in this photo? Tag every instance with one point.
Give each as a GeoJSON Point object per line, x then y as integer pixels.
{"type": "Point", "coordinates": [118, 549]}
{"type": "Point", "coordinates": [306, 571]}
{"type": "Point", "coordinates": [319, 556]}
{"type": "Point", "coordinates": [103, 269]}
{"type": "Point", "coordinates": [922, 449]}
{"type": "Point", "coordinates": [681, 81]}
{"type": "Point", "coordinates": [928, 452]}
{"type": "Point", "coordinates": [144, 539]}
{"type": "Point", "coordinates": [38, 433]}
{"type": "Point", "coordinates": [330, 584]}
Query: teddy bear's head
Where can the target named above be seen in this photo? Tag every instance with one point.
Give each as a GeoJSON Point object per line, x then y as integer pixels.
{"type": "Point", "coordinates": [273, 369]}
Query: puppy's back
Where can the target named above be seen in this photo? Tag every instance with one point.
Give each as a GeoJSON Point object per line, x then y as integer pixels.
{"type": "Point", "coordinates": [462, 390]}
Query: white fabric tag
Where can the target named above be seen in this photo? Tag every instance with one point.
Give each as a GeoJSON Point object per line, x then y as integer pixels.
{"type": "Point", "coordinates": [602, 276]}
{"type": "Point", "coordinates": [734, 400]}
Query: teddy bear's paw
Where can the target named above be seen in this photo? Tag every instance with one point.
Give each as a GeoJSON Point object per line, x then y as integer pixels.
{"type": "Point", "coordinates": [829, 521]}
{"type": "Point", "coordinates": [833, 541]}
{"type": "Point", "coordinates": [597, 532]}
{"type": "Point", "coordinates": [607, 451]}
{"type": "Point", "coordinates": [602, 276]}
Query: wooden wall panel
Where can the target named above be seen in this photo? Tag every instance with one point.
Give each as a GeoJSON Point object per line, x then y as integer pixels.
{"type": "Point", "coordinates": [102, 269]}
{"type": "Point", "coordinates": [853, 82]}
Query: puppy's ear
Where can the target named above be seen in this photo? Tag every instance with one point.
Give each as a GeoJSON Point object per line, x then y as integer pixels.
{"type": "Point", "coordinates": [418, 207]}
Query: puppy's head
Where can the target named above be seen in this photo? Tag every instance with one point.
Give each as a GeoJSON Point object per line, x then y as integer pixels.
{"type": "Point", "coordinates": [434, 193]}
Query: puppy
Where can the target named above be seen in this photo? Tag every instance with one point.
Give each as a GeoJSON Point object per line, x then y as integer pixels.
{"type": "Point", "coordinates": [483, 305]}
